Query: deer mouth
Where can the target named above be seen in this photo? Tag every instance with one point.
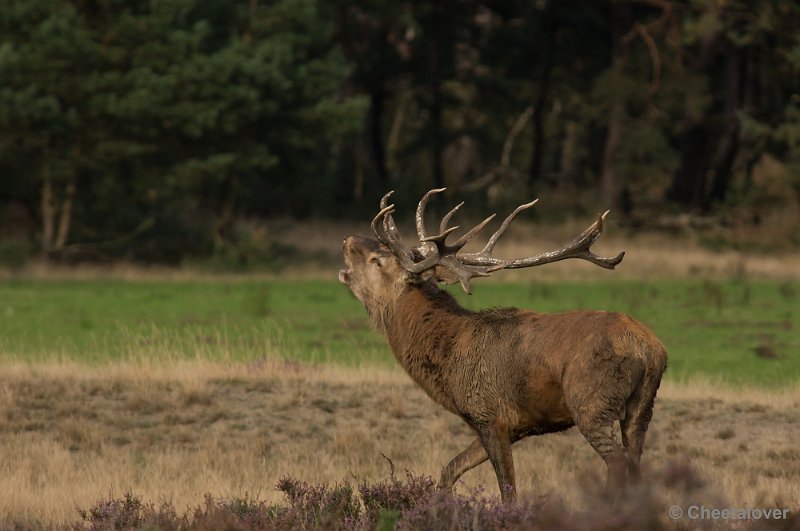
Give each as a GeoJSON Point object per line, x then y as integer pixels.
{"type": "Point", "coordinates": [344, 276]}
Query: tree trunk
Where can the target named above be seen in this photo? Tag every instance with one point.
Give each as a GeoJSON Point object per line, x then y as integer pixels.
{"type": "Point", "coordinates": [708, 150]}
{"type": "Point", "coordinates": [375, 136]}
{"type": "Point", "coordinates": [688, 181]}
{"type": "Point", "coordinates": [728, 145]}
{"type": "Point", "coordinates": [568, 164]}
{"type": "Point", "coordinates": [48, 213]}
{"type": "Point", "coordinates": [436, 137]}
{"type": "Point", "coordinates": [358, 183]}
{"type": "Point", "coordinates": [65, 219]}
{"type": "Point", "coordinates": [223, 213]}
{"type": "Point", "coordinates": [609, 180]}
{"type": "Point", "coordinates": [722, 164]}
{"type": "Point", "coordinates": [535, 172]}
{"type": "Point", "coordinates": [56, 221]}
{"type": "Point", "coordinates": [393, 143]}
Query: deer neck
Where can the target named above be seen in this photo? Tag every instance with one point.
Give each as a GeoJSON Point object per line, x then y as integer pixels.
{"type": "Point", "coordinates": [422, 325]}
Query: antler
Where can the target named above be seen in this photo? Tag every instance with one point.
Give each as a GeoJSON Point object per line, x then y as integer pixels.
{"type": "Point", "coordinates": [435, 251]}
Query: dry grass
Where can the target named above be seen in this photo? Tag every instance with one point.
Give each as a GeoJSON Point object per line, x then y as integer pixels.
{"type": "Point", "coordinates": [71, 435]}
{"type": "Point", "coordinates": [648, 255]}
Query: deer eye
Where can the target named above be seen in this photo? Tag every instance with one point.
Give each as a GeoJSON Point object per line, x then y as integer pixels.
{"type": "Point", "coordinates": [374, 260]}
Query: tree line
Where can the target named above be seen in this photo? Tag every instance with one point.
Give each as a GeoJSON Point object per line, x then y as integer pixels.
{"type": "Point", "coordinates": [146, 129]}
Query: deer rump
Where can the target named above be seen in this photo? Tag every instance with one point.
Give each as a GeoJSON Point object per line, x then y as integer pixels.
{"type": "Point", "coordinates": [508, 373]}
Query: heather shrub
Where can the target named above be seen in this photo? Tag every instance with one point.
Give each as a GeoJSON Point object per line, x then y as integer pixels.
{"type": "Point", "coordinates": [414, 502]}
{"type": "Point", "coordinates": [387, 500]}
{"type": "Point", "coordinates": [245, 513]}
{"type": "Point", "coordinates": [318, 506]}
{"type": "Point", "coordinates": [128, 512]}
{"type": "Point", "coordinates": [444, 510]}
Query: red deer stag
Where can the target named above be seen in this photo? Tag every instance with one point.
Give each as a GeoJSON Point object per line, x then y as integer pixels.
{"type": "Point", "coordinates": [508, 373]}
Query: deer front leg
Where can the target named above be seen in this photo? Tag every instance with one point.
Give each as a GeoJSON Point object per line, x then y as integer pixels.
{"type": "Point", "coordinates": [496, 441]}
{"type": "Point", "coordinates": [473, 456]}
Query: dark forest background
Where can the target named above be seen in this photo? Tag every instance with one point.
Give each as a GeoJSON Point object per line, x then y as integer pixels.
{"type": "Point", "coordinates": [147, 130]}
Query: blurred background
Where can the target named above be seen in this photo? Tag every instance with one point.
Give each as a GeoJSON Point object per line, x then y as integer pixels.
{"type": "Point", "coordinates": [182, 132]}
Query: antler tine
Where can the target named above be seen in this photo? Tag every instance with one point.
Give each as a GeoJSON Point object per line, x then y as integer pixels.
{"type": "Point", "coordinates": [589, 236]}
{"type": "Point", "coordinates": [496, 236]}
{"type": "Point", "coordinates": [421, 212]}
{"type": "Point", "coordinates": [577, 248]}
{"type": "Point", "coordinates": [379, 223]}
{"type": "Point", "coordinates": [385, 198]}
{"type": "Point", "coordinates": [462, 241]}
{"type": "Point", "coordinates": [448, 216]}
{"type": "Point", "coordinates": [464, 273]}
{"type": "Point", "coordinates": [400, 251]}
{"type": "Point", "coordinates": [444, 231]}
{"type": "Point", "coordinates": [439, 239]}
{"type": "Point", "coordinates": [388, 221]}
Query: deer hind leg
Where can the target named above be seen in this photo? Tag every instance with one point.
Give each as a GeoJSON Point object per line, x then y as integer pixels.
{"type": "Point", "coordinates": [473, 456]}
{"type": "Point", "coordinates": [638, 412]}
{"type": "Point", "coordinates": [599, 431]}
{"type": "Point", "coordinates": [497, 443]}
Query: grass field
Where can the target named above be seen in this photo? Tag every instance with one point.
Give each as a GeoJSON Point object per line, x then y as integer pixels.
{"type": "Point", "coordinates": [176, 389]}
{"type": "Point", "coordinates": [71, 435]}
{"type": "Point", "coordinates": [734, 331]}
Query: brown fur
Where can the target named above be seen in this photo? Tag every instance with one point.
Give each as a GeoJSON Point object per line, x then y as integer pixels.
{"type": "Point", "coordinates": [511, 373]}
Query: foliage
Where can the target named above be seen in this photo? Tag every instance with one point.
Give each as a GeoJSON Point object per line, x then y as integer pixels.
{"type": "Point", "coordinates": [170, 111]}
{"type": "Point", "coordinates": [145, 130]}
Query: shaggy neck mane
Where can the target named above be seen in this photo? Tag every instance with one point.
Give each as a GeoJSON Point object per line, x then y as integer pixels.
{"type": "Point", "coordinates": [422, 325]}
{"type": "Point", "coordinates": [419, 306]}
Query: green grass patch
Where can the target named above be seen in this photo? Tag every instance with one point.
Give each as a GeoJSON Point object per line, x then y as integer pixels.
{"type": "Point", "coordinates": [741, 332]}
